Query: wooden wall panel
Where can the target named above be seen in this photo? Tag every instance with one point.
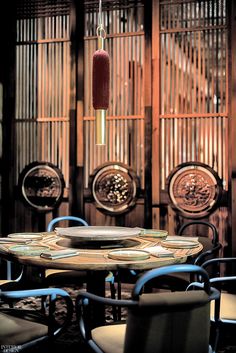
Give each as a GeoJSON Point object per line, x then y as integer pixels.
{"type": "Point", "coordinates": [134, 218]}
{"type": "Point", "coordinates": [193, 108]}
{"type": "Point", "coordinates": [232, 129]}
{"type": "Point", "coordinates": [42, 97]}
{"type": "Point", "coordinates": [187, 55]}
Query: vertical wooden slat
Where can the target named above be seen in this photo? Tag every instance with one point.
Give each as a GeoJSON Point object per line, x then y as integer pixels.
{"type": "Point", "coordinates": [200, 56]}
{"type": "Point", "coordinates": [37, 98]}
{"type": "Point", "coordinates": [164, 97]}
{"type": "Point", "coordinates": [156, 112]}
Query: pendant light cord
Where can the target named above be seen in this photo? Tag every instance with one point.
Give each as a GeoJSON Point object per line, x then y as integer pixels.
{"type": "Point", "coordinates": [100, 14]}
{"type": "Point", "coordinates": [101, 33]}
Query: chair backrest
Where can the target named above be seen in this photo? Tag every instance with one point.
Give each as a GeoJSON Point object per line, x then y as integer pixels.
{"type": "Point", "coordinates": [223, 309]}
{"type": "Point", "coordinates": [210, 242]}
{"type": "Point", "coordinates": [65, 218]}
{"type": "Point", "coordinates": [214, 233]}
{"type": "Point", "coordinates": [169, 321]}
{"type": "Point", "coordinates": [226, 277]}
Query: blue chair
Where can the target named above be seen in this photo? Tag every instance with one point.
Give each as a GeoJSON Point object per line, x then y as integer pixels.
{"type": "Point", "coordinates": [156, 322]}
{"type": "Point", "coordinates": [210, 242]}
{"type": "Point", "coordinates": [21, 329]}
{"type": "Point", "coordinates": [65, 218]}
{"type": "Point", "coordinates": [67, 277]}
{"type": "Point", "coordinates": [64, 277]}
{"type": "Point", "coordinates": [223, 310]}
{"type": "Point", "coordinates": [211, 248]}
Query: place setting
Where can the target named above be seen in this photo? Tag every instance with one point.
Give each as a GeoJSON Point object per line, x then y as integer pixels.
{"type": "Point", "coordinates": [137, 255]}
{"type": "Point", "coordinates": [180, 242]}
{"type": "Point", "coordinates": [21, 238]}
{"type": "Point", "coordinates": [24, 244]}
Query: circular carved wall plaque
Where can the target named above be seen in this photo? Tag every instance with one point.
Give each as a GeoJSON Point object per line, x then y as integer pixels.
{"type": "Point", "coordinates": [41, 186]}
{"type": "Point", "coordinates": [114, 187]}
{"type": "Point", "coordinates": [194, 189]}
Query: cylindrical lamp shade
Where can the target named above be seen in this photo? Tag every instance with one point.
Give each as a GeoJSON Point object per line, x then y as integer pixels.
{"type": "Point", "coordinates": [101, 79]}
{"type": "Point", "coordinates": [101, 83]}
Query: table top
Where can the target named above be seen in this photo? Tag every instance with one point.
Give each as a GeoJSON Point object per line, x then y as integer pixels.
{"type": "Point", "coordinates": [96, 258]}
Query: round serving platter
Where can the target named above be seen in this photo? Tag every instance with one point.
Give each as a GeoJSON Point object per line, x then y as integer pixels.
{"type": "Point", "coordinates": [97, 233]}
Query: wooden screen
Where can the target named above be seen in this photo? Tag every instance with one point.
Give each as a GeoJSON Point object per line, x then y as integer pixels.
{"type": "Point", "coordinates": [193, 85]}
{"type": "Point", "coordinates": [42, 84]}
{"type": "Point", "coordinates": [123, 22]}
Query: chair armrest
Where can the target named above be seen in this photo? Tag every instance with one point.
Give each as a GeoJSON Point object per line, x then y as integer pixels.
{"type": "Point", "coordinates": [34, 293]}
{"type": "Point", "coordinates": [53, 293]}
{"type": "Point", "coordinates": [214, 293]}
{"type": "Point", "coordinates": [202, 257]}
{"type": "Point", "coordinates": [167, 270]}
{"type": "Point", "coordinates": [82, 309]}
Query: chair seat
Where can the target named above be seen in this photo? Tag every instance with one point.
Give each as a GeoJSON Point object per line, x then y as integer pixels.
{"type": "Point", "coordinates": [110, 338]}
{"type": "Point", "coordinates": [21, 326]}
{"type": "Point", "coordinates": [53, 276]}
{"type": "Point", "coordinates": [227, 307]}
{"type": "Point", "coordinates": [5, 281]}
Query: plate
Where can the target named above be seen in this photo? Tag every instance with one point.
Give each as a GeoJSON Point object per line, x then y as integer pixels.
{"type": "Point", "coordinates": [128, 255]}
{"type": "Point", "coordinates": [98, 233]}
{"type": "Point", "coordinates": [28, 250]}
{"type": "Point", "coordinates": [154, 233]}
{"type": "Point", "coordinates": [29, 236]}
{"type": "Point", "coordinates": [180, 244]}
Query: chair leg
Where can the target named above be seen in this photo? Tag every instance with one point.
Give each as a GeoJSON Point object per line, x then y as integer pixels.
{"type": "Point", "coordinates": [119, 297]}
{"type": "Point", "coordinates": [113, 290]}
{"type": "Point", "coordinates": [113, 296]}
{"type": "Point", "coordinates": [9, 270]}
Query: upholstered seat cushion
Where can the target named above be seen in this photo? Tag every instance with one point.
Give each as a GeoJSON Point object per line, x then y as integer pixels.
{"type": "Point", "coordinates": [227, 307]}
{"type": "Point", "coordinates": [20, 326]}
{"type": "Point", "coordinates": [53, 276]}
{"type": "Point", "coordinates": [110, 338]}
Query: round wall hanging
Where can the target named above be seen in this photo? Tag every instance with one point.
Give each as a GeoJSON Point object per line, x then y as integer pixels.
{"type": "Point", "coordinates": [194, 189]}
{"type": "Point", "coordinates": [41, 186]}
{"type": "Point", "coordinates": [114, 187]}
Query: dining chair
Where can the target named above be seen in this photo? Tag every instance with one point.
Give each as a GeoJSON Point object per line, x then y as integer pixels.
{"type": "Point", "coordinates": [156, 322]}
{"type": "Point", "coordinates": [223, 310]}
{"type": "Point", "coordinates": [68, 277]}
{"type": "Point", "coordinates": [64, 277]}
{"type": "Point", "coordinates": [179, 281]}
{"type": "Point", "coordinates": [23, 328]}
{"type": "Point", "coordinates": [11, 284]}
{"type": "Point", "coordinates": [209, 240]}
{"type": "Point", "coordinates": [211, 248]}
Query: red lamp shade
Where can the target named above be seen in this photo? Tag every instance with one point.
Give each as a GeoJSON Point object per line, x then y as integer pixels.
{"type": "Point", "coordinates": [101, 79]}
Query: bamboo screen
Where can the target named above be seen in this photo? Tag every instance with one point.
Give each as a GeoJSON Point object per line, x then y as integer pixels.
{"type": "Point", "coordinates": [123, 22]}
{"type": "Point", "coordinates": [42, 84]}
{"type": "Point", "coordinates": [194, 116]}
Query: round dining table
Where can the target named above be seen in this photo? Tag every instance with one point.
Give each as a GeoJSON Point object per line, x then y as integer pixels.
{"type": "Point", "coordinates": [95, 258]}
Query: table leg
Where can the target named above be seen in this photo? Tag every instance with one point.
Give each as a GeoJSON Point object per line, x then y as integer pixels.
{"type": "Point", "coordinates": [96, 285]}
